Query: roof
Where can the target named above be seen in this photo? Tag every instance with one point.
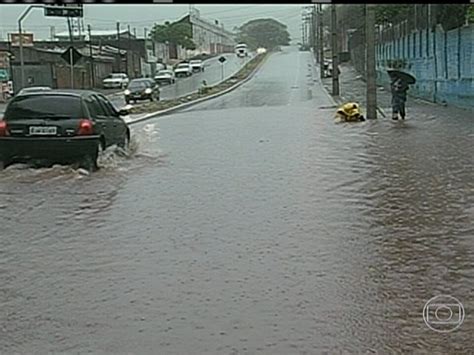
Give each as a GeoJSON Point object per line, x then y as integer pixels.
{"type": "Point", "coordinates": [94, 33]}
{"type": "Point", "coordinates": [209, 26]}
{"type": "Point", "coordinates": [103, 53]}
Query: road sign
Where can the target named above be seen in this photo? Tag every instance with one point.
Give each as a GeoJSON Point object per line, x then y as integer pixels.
{"type": "Point", "coordinates": [4, 75]}
{"type": "Point", "coordinates": [222, 59]}
{"type": "Point", "coordinates": [64, 10]}
{"type": "Point", "coordinates": [27, 39]}
{"type": "Point", "coordinates": [71, 56]}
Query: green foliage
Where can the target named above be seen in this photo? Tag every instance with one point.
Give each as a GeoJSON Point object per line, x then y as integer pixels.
{"type": "Point", "coordinates": [392, 13]}
{"type": "Point", "coordinates": [179, 33]}
{"type": "Point", "coordinates": [470, 13]}
{"type": "Point", "coordinates": [451, 16]}
{"type": "Point", "coordinates": [267, 33]}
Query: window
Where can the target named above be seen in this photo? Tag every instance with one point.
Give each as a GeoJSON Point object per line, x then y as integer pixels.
{"type": "Point", "coordinates": [32, 106]}
{"type": "Point", "coordinates": [94, 107]}
{"type": "Point", "coordinates": [107, 106]}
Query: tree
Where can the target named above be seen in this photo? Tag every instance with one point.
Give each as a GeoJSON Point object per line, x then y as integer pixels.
{"type": "Point", "coordinates": [179, 33]}
{"type": "Point", "coordinates": [392, 13]}
{"type": "Point", "coordinates": [451, 16]}
{"type": "Point", "coordinates": [470, 14]}
{"type": "Point", "coordinates": [267, 33]}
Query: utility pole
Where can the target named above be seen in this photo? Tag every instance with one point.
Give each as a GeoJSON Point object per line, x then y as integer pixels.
{"type": "Point", "coordinates": [129, 49]}
{"type": "Point", "coordinates": [314, 29]}
{"type": "Point", "coordinates": [370, 62]}
{"type": "Point", "coordinates": [334, 49]}
{"type": "Point", "coordinates": [321, 40]}
{"type": "Point", "coordinates": [20, 34]}
{"type": "Point", "coordinates": [91, 54]}
{"type": "Point", "coordinates": [71, 62]}
{"type": "Point", "coordinates": [304, 31]}
{"type": "Point", "coordinates": [118, 47]}
{"type": "Point", "coordinates": [302, 34]}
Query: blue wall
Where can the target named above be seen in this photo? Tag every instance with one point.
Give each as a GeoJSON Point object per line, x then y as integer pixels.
{"type": "Point", "coordinates": [442, 62]}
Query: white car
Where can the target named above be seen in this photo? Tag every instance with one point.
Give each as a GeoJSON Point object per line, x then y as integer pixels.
{"type": "Point", "coordinates": [183, 69]}
{"type": "Point", "coordinates": [241, 50]}
{"type": "Point", "coordinates": [165, 76]}
{"type": "Point", "coordinates": [115, 80]}
{"type": "Point", "coordinates": [197, 65]}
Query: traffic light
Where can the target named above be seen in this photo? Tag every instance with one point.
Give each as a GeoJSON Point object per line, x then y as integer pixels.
{"type": "Point", "coordinates": [63, 11]}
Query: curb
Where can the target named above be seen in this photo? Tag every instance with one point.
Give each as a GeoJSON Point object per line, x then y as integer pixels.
{"type": "Point", "coordinates": [198, 101]}
{"type": "Point", "coordinates": [318, 79]}
{"type": "Point", "coordinates": [339, 100]}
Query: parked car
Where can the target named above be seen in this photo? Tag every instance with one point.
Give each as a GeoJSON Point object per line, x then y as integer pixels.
{"type": "Point", "coordinates": [197, 65]}
{"type": "Point", "coordinates": [327, 68]}
{"type": "Point", "coordinates": [34, 89]}
{"type": "Point", "coordinates": [165, 76]}
{"type": "Point", "coordinates": [183, 69]}
{"type": "Point", "coordinates": [142, 89]}
{"type": "Point", "coordinates": [60, 126]}
{"type": "Point", "coordinates": [115, 81]}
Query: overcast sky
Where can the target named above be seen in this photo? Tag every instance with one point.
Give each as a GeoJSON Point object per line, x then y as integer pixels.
{"type": "Point", "coordinates": [102, 17]}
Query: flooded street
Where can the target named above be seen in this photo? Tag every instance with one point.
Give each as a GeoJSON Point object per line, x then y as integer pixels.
{"type": "Point", "coordinates": [249, 224]}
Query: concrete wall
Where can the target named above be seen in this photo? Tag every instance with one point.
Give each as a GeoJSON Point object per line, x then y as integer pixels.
{"type": "Point", "coordinates": [35, 75]}
{"type": "Point", "coordinates": [442, 62]}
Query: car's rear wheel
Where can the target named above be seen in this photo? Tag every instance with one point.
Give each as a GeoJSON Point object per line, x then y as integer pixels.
{"type": "Point", "coordinates": [125, 143]}
{"type": "Point", "coordinates": [90, 161]}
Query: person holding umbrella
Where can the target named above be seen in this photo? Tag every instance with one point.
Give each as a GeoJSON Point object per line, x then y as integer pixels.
{"type": "Point", "coordinates": [399, 87]}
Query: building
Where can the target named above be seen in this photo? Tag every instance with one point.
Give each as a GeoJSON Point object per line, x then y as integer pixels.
{"type": "Point", "coordinates": [210, 38]}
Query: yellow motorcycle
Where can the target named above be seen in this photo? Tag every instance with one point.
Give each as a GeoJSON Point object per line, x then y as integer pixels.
{"type": "Point", "coordinates": [350, 112]}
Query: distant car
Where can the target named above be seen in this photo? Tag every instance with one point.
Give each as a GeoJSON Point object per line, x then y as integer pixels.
{"type": "Point", "coordinates": [241, 50]}
{"type": "Point", "coordinates": [160, 66]}
{"type": "Point", "coordinates": [197, 65]}
{"type": "Point", "coordinates": [183, 69]}
{"type": "Point", "coordinates": [34, 89]}
{"type": "Point", "coordinates": [115, 81]}
{"type": "Point", "coordinates": [165, 76]}
{"type": "Point", "coordinates": [142, 89]}
{"type": "Point", "coordinates": [60, 126]}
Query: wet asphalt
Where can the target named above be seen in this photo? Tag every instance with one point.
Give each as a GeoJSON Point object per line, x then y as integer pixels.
{"type": "Point", "coordinates": [249, 224]}
{"type": "Point", "coordinates": [214, 72]}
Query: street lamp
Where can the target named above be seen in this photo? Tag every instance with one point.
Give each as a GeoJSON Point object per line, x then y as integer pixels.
{"type": "Point", "coordinates": [20, 33]}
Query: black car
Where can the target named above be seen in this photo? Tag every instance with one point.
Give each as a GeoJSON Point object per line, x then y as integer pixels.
{"type": "Point", "coordinates": [142, 89]}
{"type": "Point", "coordinates": [60, 126]}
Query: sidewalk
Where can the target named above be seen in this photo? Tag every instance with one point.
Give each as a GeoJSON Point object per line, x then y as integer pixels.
{"type": "Point", "coordinates": [353, 88]}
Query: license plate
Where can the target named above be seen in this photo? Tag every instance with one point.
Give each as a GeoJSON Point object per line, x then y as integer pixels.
{"type": "Point", "coordinates": [43, 131]}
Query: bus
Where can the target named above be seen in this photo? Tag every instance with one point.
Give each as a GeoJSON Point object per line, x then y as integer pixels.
{"type": "Point", "coordinates": [241, 50]}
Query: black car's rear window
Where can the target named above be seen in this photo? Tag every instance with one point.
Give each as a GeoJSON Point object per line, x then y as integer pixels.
{"type": "Point", "coordinates": [44, 106]}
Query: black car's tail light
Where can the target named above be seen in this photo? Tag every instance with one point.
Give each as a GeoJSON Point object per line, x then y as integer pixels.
{"type": "Point", "coordinates": [3, 129]}
{"type": "Point", "coordinates": [86, 127]}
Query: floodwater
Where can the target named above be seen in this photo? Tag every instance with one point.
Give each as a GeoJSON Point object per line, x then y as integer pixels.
{"type": "Point", "coordinates": [250, 224]}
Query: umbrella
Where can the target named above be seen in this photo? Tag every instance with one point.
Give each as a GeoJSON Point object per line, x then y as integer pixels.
{"type": "Point", "coordinates": [408, 78]}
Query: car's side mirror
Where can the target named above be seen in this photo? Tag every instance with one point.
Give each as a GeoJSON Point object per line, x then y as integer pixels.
{"type": "Point", "coordinates": [124, 111]}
